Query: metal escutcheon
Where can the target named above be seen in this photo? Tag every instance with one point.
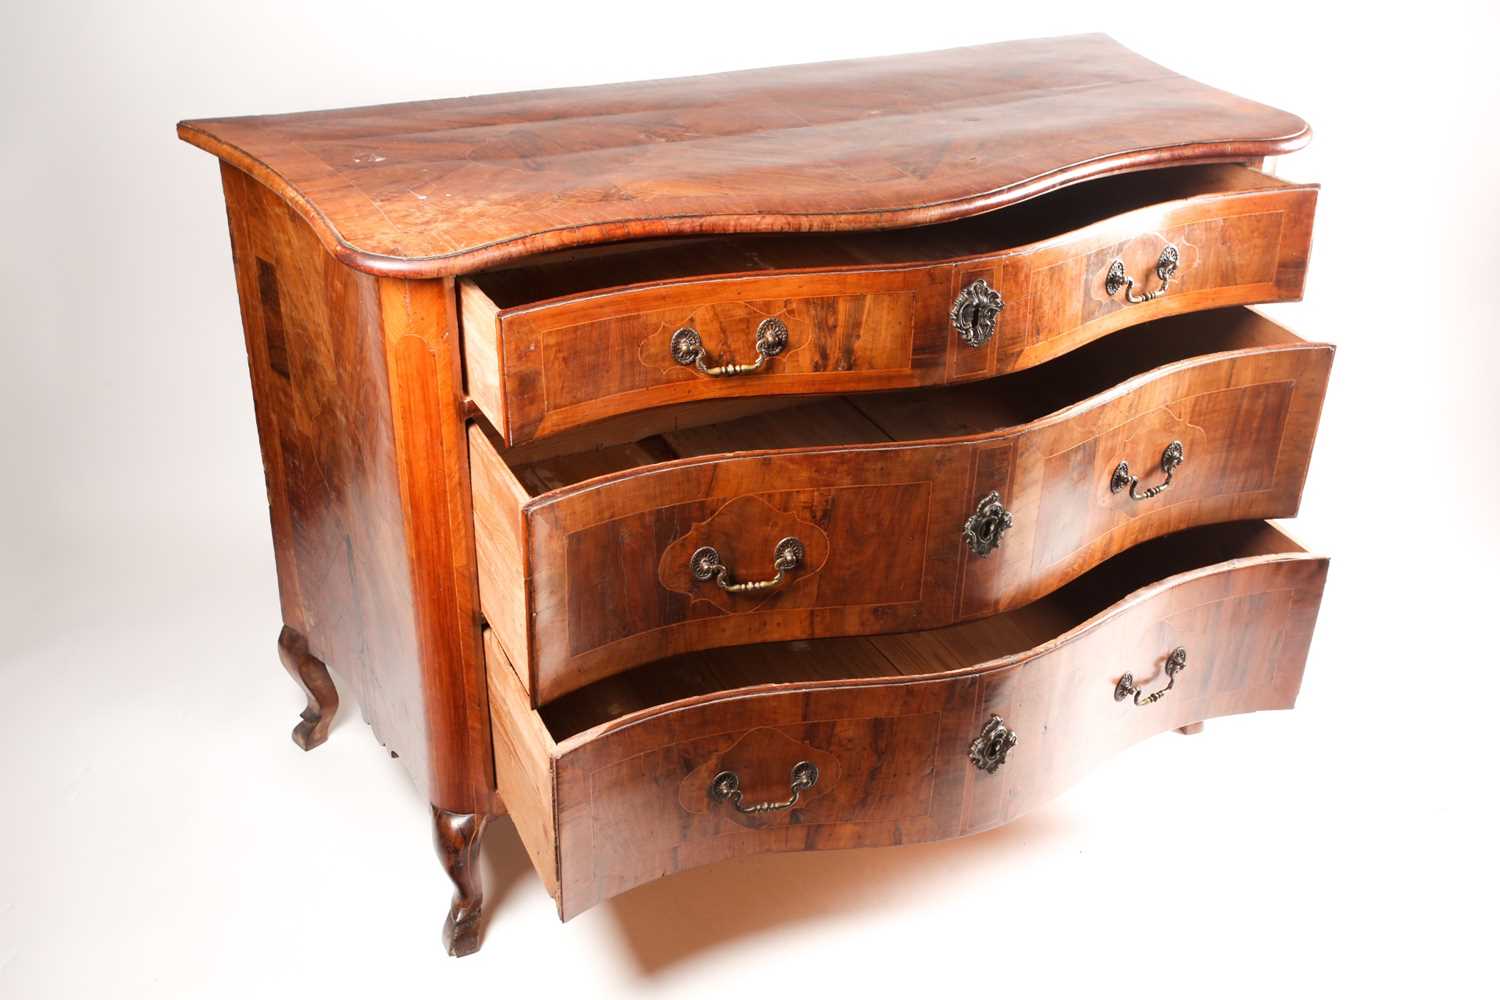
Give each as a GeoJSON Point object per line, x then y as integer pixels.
{"type": "Point", "coordinates": [984, 527]}
{"type": "Point", "coordinates": [770, 340]}
{"type": "Point", "coordinates": [975, 311]}
{"type": "Point", "coordinates": [989, 748]}
{"type": "Point", "coordinates": [1166, 266]}
{"type": "Point", "coordinates": [726, 788]}
{"type": "Point", "coordinates": [1176, 663]}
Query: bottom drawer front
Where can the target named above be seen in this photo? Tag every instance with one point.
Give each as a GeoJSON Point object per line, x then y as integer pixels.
{"type": "Point", "coordinates": [1243, 634]}
{"type": "Point", "coordinates": [931, 735]}
{"type": "Point", "coordinates": [640, 803]}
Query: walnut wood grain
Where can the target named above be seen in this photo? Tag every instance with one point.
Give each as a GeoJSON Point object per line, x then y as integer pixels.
{"type": "Point", "coordinates": [359, 405]}
{"type": "Point", "coordinates": [884, 485]}
{"type": "Point", "coordinates": [311, 675]}
{"type": "Point", "coordinates": [446, 450]}
{"type": "Point", "coordinates": [457, 838]}
{"type": "Point", "coordinates": [419, 324]}
{"type": "Point", "coordinates": [574, 363]}
{"type": "Point", "coordinates": [891, 735]}
{"type": "Point", "coordinates": [438, 188]}
{"type": "Point", "coordinates": [873, 311]}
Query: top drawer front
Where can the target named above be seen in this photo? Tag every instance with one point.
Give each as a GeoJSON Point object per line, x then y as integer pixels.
{"type": "Point", "coordinates": [1229, 249]}
{"type": "Point", "coordinates": [584, 360]}
{"type": "Point", "coordinates": [538, 369]}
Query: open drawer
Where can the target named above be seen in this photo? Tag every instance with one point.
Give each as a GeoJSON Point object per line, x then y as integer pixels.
{"type": "Point", "coordinates": [569, 338]}
{"type": "Point", "coordinates": [885, 512]}
{"type": "Point", "coordinates": [897, 739]}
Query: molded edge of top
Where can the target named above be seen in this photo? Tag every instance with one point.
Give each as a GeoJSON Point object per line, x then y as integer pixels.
{"type": "Point", "coordinates": [200, 133]}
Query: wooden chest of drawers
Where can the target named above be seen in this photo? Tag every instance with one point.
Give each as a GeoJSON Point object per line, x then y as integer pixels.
{"type": "Point", "coordinates": [690, 471]}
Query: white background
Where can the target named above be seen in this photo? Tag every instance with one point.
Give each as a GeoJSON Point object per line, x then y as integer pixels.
{"type": "Point", "coordinates": [161, 836]}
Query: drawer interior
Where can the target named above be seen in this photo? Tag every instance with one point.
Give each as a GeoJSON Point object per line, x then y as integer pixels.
{"type": "Point", "coordinates": [955, 647]}
{"type": "Point", "coordinates": [563, 273]}
{"type": "Point", "coordinates": [908, 415]}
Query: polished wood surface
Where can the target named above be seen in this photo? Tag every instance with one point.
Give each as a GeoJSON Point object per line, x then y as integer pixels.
{"type": "Point", "coordinates": [457, 838]}
{"type": "Point", "coordinates": [878, 489]}
{"type": "Point", "coordinates": [631, 759]}
{"type": "Point", "coordinates": [488, 478]}
{"type": "Point", "coordinates": [583, 336]}
{"type": "Point", "coordinates": [419, 322]}
{"type": "Point", "coordinates": [438, 188]}
{"type": "Point", "coordinates": [481, 353]}
{"type": "Point", "coordinates": [524, 771]}
{"type": "Point", "coordinates": [357, 397]}
{"type": "Point", "coordinates": [311, 675]}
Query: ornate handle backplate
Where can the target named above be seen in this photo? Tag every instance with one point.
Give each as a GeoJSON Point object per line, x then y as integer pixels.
{"type": "Point", "coordinates": [1176, 663]}
{"type": "Point", "coordinates": [989, 748]}
{"type": "Point", "coordinates": [770, 340]}
{"type": "Point", "coordinates": [974, 312]}
{"type": "Point", "coordinates": [1115, 278]}
{"type": "Point", "coordinates": [984, 527]}
{"type": "Point", "coordinates": [726, 788]}
{"type": "Point", "coordinates": [1171, 458]}
{"type": "Point", "coordinates": [707, 565]}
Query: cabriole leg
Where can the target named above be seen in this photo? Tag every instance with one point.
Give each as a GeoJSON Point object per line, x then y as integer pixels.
{"type": "Point", "coordinates": [457, 837]}
{"type": "Point", "coordinates": [312, 677]}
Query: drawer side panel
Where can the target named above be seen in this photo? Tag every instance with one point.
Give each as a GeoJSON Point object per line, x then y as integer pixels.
{"type": "Point", "coordinates": [523, 763]}
{"type": "Point", "coordinates": [481, 347]}
{"type": "Point", "coordinates": [500, 550]}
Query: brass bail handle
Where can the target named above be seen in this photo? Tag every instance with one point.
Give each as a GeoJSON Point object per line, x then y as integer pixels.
{"type": "Point", "coordinates": [726, 788]}
{"type": "Point", "coordinates": [1176, 663]}
{"type": "Point", "coordinates": [1166, 266]}
{"type": "Point", "coordinates": [707, 565]}
{"type": "Point", "coordinates": [1171, 458]}
{"type": "Point", "coordinates": [770, 340]}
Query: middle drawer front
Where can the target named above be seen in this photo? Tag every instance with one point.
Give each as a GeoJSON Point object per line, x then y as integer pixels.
{"type": "Point", "coordinates": [960, 510]}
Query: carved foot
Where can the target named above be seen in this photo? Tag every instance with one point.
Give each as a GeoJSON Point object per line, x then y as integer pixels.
{"type": "Point", "coordinates": [457, 837]}
{"type": "Point", "coordinates": [1191, 729]}
{"type": "Point", "coordinates": [312, 677]}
